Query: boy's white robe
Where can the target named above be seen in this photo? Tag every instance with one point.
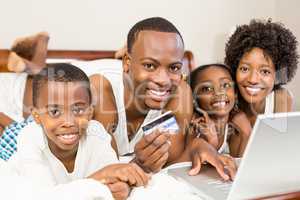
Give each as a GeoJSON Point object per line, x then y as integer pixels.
{"type": "Point", "coordinates": [35, 165]}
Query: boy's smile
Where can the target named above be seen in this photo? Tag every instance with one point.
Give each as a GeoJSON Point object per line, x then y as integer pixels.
{"type": "Point", "coordinates": [64, 111]}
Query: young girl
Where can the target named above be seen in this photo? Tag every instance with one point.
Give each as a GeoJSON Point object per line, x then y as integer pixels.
{"type": "Point", "coordinates": [216, 117]}
{"type": "Point", "coordinates": [263, 57]}
{"type": "Point", "coordinates": [63, 145]}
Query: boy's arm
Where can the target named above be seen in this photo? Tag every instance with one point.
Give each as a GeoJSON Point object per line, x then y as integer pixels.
{"type": "Point", "coordinates": [105, 107]}
{"type": "Point", "coordinates": [5, 120]}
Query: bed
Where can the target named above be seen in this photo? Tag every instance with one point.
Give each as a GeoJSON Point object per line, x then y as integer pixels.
{"type": "Point", "coordinates": [63, 54]}
{"type": "Point", "coordinates": [108, 56]}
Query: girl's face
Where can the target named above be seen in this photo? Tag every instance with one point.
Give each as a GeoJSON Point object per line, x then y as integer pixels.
{"type": "Point", "coordinates": [215, 91]}
{"type": "Point", "coordinates": [255, 76]}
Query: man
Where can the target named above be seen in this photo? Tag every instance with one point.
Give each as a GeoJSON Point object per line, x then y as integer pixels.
{"type": "Point", "coordinates": [152, 84]}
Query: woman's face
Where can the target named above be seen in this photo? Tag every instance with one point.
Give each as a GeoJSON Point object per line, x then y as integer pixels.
{"type": "Point", "coordinates": [255, 76]}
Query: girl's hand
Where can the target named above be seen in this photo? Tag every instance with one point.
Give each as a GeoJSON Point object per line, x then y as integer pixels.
{"type": "Point", "coordinates": [204, 127]}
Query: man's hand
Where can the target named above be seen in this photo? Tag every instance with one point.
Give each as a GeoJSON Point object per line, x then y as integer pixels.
{"type": "Point", "coordinates": [152, 151]}
{"type": "Point", "coordinates": [130, 173]}
{"type": "Point", "coordinates": [201, 152]}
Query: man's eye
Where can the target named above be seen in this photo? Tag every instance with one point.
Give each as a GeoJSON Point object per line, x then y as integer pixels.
{"type": "Point", "coordinates": [175, 68]}
{"type": "Point", "coordinates": [78, 111]}
{"type": "Point", "coordinates": [149, 66]}
{"type": "Point", "coordinates": [54, 112]}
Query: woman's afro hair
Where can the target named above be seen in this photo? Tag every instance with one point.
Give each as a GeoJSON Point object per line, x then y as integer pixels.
{"type": "Point", "coordinates": [274, 39]}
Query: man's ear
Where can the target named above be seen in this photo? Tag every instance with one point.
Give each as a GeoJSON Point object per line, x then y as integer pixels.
{"type": "Point", "coordinates": [36, 116]}
{"type": "Point", "coordinates": [91, 113]}
{"type": "Point", "coordinates": [126, 62]}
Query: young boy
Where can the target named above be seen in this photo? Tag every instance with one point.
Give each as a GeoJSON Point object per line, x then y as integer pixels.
{"type": "Point", "coordinates": [63, 145]}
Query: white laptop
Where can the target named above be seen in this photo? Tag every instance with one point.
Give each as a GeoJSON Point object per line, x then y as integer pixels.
{"type": "Point", "coordinates": [270, 166]}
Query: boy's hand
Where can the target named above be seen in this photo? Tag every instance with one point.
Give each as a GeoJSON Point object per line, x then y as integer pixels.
{"type": "Point", "coordinates": [204, 127]}
{"type": "Point", "coordinates": [128, 173]}
{"type": "Point", "coordinates": [152, 151]}
{"type": "Point", "coordinates": [201, 152]}
{"type": "Point", "coordinates": [119, 190]}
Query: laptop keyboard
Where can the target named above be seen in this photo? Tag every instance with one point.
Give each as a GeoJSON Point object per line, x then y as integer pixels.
{"type": "Point", "coordinates": [221, 185]}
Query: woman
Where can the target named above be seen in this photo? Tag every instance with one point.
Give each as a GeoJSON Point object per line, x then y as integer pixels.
{"type": "Point", "coordinates": [263, 56]}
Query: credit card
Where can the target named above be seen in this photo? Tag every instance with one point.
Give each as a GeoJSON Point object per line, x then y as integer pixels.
{"type": "Point", "coordinates": [166, 121]}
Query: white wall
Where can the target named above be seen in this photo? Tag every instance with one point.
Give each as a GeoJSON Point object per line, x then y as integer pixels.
{"type": "Point", "coordinates": [288, 13]}
{"type": "Point", "coordinates": [98, 24]}
{"type": "Point", "coordinates": [103, 25]}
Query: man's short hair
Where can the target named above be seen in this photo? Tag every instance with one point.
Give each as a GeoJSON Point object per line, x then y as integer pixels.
{"type": "Point", "coordinates": [151, 24]}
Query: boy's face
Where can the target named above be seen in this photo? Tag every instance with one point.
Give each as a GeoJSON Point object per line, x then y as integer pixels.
{"type": "Point", "coordinates": [215, 91]}
{"type": "Point", "coordinates": [154, 66]}
{"type": "Point", "coordinates": [63, 109]}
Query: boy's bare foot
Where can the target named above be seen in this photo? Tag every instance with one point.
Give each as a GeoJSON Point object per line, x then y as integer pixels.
{"type": "Point", "coordinates": [15, 63]}
{"type": "Point", "coordinates": [33, 51]}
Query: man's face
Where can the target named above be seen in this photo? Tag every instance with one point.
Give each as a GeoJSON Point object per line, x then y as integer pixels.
{"type": "Point", "coordinates": [154, 66]}
{"type": "Point", "coordinates": [63, 110]}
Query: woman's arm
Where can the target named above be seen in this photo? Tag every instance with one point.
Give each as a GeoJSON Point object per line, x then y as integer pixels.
{"type": "Point", "coordinates": [242, 130]}
{"type": "Point", "coordinates": [283, 100]}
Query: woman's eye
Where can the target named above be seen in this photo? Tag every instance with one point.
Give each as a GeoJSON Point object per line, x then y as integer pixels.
{"type": "Point", "coordinates": [54, 112]}
{"type": "Point", "coordinates": [149, 66]}
{"type": "Point", "coordinates": [244, 69]}
{"type": "Point", "coordinates": [265, 72]}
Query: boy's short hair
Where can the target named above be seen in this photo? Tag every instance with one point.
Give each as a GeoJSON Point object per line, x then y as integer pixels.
{"type": "Point", "coordinates": [193, 76]}
{"type": "Point", "coordinates": [150, 24]}
{"type": "Point", "coordinates": [59, 72]}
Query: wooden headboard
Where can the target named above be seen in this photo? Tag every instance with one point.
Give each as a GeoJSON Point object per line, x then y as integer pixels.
{"type": "Point", "coordinates": [88, 55]}
{"type": "Point", "coordinates": [62, 54]}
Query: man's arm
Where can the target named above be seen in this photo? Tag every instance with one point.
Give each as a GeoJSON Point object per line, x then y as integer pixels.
{"type": "Point", "coordinates": [159, 148]}
{"type": "Point", "coordinates": [182, 107]}
{"type": "Point", "coordinates": [105, 107]}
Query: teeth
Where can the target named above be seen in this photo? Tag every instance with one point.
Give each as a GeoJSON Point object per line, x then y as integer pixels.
{"type": "Point", "coordinates": [67, 137]}
{"type": "Point", "coordinates": [158, 93]}
{"type": "Point", "coordinates": [253, 90]}
{"type": "Point", "coordinates": [220, 104]}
